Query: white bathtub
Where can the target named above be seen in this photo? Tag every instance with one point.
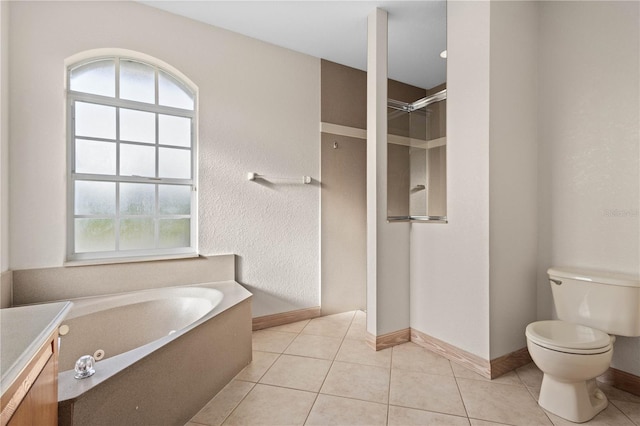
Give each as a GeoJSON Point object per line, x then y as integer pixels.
{"type": "Point", "coordinates": [166, 353]}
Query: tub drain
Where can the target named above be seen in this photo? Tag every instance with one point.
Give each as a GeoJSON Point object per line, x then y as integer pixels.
{"type": "Point", "coordinates": [98, 355]}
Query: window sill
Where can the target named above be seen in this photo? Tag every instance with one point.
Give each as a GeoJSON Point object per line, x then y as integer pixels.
{"type": "Point", "coordinates": [151, 258]}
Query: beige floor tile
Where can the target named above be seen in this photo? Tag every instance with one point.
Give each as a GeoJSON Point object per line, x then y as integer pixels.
{"type": "Point", "coordinates": [325, 326]}
{"type": "Point", "coordinates": [314, 346]}
{"type": "Point", "coordinates": [343, 316]}
{"type": "Point", "coordinates": [611, 416]}
{"type": "Point", "coordinates": [357, 381]}
{"type": "Point", "coordinates": [259, 365]}
{"type": "Point", "coordinates": [510, 378]}
{"type": "Point", "coordinates": [631, 409]}
{"type": "Point", "coordinates": [192, 423]}
{"type": "Point", "coordinates": [294, 327]}
{"type": "Point", "coordinates": [410, 356]}
{"type": "Point", "coordinates": [357, 351]}
{"type": "Point", "coordinates": [501, 403]}
{"type": "Point", "coordinates": [357, 331]}
{"type": "Point", "coordinates": [335, 410]}
{"type": "Point", "coordinates": [401, 416]}
{"type": "Point", "coordinates": [535, 393]}
{"type": "Point", "coordinates": [272, 341]}
{"type": "Point", "coordinates": [360, 317]}
{"type": "Point", "coordinates": [270, 405]}
{"type": "Point", "coordinates": [297, 372]}
{"type": "Point", "coordinates": [476, 422]}
{"type": "Point", "coordinates": [431, 392]}
{"type": "Point", "coordinates": [615, 394]}
{"type": "Point", "coordinates": [217, 410]}
{"type": "Point", "coordinates": [530, 375]}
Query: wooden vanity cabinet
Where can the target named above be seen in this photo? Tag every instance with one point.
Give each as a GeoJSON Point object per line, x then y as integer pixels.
{"type": "Point", "coordinates": [33, 398]}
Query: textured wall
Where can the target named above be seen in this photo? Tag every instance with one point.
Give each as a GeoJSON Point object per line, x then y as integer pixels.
{"type": "Point", "coordinates": [258, 112]}
{"type": "Point", "coordinates": [589, 154]}
{"type": "Point", "coordinates": [513, 173]}
{"type": "Point", "coordinates": [4, 136]}
{"type": "Point", "coordinates": [450, 263]}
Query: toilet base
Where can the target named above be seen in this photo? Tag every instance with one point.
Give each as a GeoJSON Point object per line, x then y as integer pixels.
{"type": "Point", "coordinates": [575, 401]}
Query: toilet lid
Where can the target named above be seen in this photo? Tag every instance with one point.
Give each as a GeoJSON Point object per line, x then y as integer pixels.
{"type": "Point", "coordinates": [566, 335]}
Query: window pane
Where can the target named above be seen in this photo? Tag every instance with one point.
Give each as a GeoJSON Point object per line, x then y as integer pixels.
{"type": "Point", "coordinates": [174, 199]}
{"type": "Point", "coordinates": [175, 163]}
{"type": "Point", "coordinates": [97, 198]}
{"type": "Point", "coordinates": [137, 82]}
{"type": "Point", "coordinates": [137, 198]}
{"type": "Point", "coordinates": [173, 94]}
{"type": "Point", "coordinates": [174, 233]}
{"type": "Point", "coordinates": [95, 157]}
{"type": "Point", "coordinates": [97, 77]}
{"type": "Point", "coordinates": [137, 160]}
{"type": "Point", "coordinates": [98, 121]}
{"type": "Point", "coordinates": [94, 235]}
{"type": "Point", "coordinates": [137, 126]}
{"type": "Point", "coordinates": [174, 130]}
{"type": "Point", "coordinates": [137, 234]}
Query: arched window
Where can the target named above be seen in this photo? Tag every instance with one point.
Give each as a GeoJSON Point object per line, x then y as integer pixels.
{"type": "Point", "coordinates": [132, 161]}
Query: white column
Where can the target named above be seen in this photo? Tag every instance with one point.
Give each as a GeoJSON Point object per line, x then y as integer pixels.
{"type": "Point", "coordinates": [387, 243]}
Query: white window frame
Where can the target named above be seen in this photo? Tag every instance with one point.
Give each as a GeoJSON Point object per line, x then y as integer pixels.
{"type": "Point", "coordinates": [117, 256]}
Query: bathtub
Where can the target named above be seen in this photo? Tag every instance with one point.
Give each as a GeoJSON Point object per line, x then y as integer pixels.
{"type": "Point", "coordinates": [162, 354]}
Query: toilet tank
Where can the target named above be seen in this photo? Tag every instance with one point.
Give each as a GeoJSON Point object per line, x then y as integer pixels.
{"type": "Point", "coordinates": [607, 301]}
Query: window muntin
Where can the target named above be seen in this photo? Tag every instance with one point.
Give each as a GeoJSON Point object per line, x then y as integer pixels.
{"type": "Point", "coordinates": [132, 161]}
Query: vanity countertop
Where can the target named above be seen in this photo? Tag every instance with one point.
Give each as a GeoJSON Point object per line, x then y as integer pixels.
{"type": "Point", "coordinates": [23, 331]}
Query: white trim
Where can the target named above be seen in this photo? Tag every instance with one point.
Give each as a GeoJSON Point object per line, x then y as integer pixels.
{"type": "Point", "coordinates": [355, 132]}
{"type": "Point", "coordinates": [108, 261]}
{"type": "Point", "coordinates": [94, 54]}
{"type": "Point", "coordinates": [417, 143]}
{"type": "Point", "coordinates": [72, 97]}
{"type": "Point", "coordinates": [434, 143]}
{"type": "Point", "coordinates": [336, 129]}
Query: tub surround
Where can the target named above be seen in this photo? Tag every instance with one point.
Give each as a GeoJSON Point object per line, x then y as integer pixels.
{"type": "Point", "coordinates": [64, 283]}
{"type": "Point", "coordinates": [168, 380]}
{"type": "Point", "coordinates": [24, 332]}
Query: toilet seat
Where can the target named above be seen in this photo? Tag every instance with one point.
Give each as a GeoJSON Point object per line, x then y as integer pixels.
{"type": "Point", "coordinates": [568, 337]}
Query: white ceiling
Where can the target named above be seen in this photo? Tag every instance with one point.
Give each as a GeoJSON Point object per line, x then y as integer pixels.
{"type": "Point", "coordinates": [335, 30]}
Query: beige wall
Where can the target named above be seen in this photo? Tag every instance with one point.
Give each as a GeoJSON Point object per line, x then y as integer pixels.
{"type": "Point", "coordinates": [343, 211]}
{"type": "Point", "coordinates": [344, 95]}
{"type": "Point", "coordinates": [398, 177]}
{"type": "Point", "coordinates": [259, 110]}
{"type": "Point", "coordinates": [6, 287]}
{"type": "Point", "coordinates": [344, 224]}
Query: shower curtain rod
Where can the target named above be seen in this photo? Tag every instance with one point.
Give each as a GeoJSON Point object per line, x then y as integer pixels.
{"type": "Point", "coordinates": [420, 103]}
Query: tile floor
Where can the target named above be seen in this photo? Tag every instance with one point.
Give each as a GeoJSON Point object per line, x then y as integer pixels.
{"type": "Point", "coordinates": [321, 372]}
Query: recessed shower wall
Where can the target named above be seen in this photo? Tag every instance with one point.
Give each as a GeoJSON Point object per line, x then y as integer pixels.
{"type": "Point", "coordinates": [416, 174]}
{"type": "Point", "coordinates": [343, 175]}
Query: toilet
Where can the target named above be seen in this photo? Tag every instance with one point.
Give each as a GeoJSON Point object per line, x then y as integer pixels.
{"type": "Point", "coordinates": [592, 307]}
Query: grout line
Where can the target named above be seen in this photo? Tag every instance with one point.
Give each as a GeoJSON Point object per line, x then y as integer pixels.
{"type": "Point", "coordinates": [493, 422]}
{"type": "Point", "coordinates": [330, 367]}
{"type": "Point", "coordinates": [253, 385]}
{"type": "Point", "coordinates": [460, 393]}
{"type": "Point", "coordinates": [612, 402]}
{"type": "Point", "coordinates": [389, 393]}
